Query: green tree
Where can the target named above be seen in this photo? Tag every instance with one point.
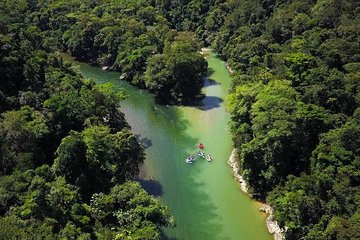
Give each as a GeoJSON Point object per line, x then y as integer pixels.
{"type": "Point", "coordinates": [21, 134]}
{"type": "Point", "coordinates": [140, 213]}
{"type": "Point", "coordinates": [177, 74]}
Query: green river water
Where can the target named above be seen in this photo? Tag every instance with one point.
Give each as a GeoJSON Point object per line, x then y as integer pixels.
{"type": "Point", "coordinates": [204, 198]}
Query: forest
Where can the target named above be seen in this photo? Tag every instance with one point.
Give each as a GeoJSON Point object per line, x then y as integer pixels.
{"type": "Point", "coordinates": [68, 158]}
{"type": "Point", "coordinates": [294, 106]}
{"type": "Point", "coordinates": [130, 37]}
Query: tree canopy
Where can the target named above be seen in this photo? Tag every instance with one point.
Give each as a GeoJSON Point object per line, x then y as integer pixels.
{"type": "Point", "coordinates": [68, 158]}
{"type": "Point", "coordinates": [127, 36]}
{"type": "Point", "coordinates": [294, 108]}
{"type": "Point", "coordinates": [294, 104]}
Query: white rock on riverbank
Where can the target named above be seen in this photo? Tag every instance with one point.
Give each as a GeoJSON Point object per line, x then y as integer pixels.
{"type": "Point", "coordinates": [272, 225]}
{"type": "Point", "coordinates": [229, 68]}
{"type": "Point", "coordinates": [203, 50]}
{"type": "Point", "coordinates": [235, 169]}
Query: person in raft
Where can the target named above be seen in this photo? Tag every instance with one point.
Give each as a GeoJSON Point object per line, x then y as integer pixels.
{"type": "Point", "coordinates": [201, 146]}
{"type": "Point", "coordinates": [201, 154]}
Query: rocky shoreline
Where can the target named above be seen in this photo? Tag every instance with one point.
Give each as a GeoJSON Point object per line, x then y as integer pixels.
{"type": "Point", "coordinates": [235, 169]}
{"type": "Point", "coordinates": [272, 225]}
{"type": "Point", "coordinates": [229, 68]}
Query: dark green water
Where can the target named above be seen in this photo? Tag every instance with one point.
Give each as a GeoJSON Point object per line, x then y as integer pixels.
{"type": "Point", "coordinates": [204, 198]}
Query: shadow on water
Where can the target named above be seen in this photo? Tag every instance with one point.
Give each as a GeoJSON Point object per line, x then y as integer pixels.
{"type": "Point", "coordinates": [143, 141]}
{"type": "Point", "coordinates": [151, 186]}
{"type": "Point", "coordinates": [210, 82]}
{"type": "Point", "coordinates": [210, 71]}
{"type": "Point", "coordinates": [194, 212]}
{"type": "Point", "coordinates": [210, 102]}
{"type": "Point", "coordinates": [205, 103]}
{"type": "Point", "coordinates": [164, 237]}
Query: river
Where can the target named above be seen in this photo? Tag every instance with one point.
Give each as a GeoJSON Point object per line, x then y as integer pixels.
{"type": "Point", "coordinates": [204, 198]}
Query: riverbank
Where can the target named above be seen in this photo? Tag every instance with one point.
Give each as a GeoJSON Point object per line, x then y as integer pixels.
{"type": "Point", "coordinates": [170, 134]}
{"type": "Point", "coordinates": [229, 68]}
{"type": "Point", "coordinates": [207, 50]}
{"type": "Point", "coordinates": [272, 225]}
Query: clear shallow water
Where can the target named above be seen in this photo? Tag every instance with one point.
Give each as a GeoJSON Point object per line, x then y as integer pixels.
{"type": "Point", "coordinates": [204, 198]}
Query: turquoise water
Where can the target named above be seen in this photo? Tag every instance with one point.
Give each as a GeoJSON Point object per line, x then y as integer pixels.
{"type": "Point", "coordinates": [203, 197]}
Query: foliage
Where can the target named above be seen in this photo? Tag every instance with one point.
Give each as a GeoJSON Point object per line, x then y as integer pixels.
{"type": "Point", "coordinates": [48, 109]}
{"type": "Point", "coordinates": [294, 107]}
{"type": "Point", "coordinates": [95, 159]}
{"type": "Point", "coordinates": [177, 73]}
{"type": "Point", "coordinates": [276, 132]}
{"type": "Point", "coordinates": [126, 36]}
{"type": "Point", "coordinates": [22, 132]}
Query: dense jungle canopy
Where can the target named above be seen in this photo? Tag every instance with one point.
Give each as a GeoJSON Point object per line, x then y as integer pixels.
{"type": "Point", "coordinates": [67, 155]}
